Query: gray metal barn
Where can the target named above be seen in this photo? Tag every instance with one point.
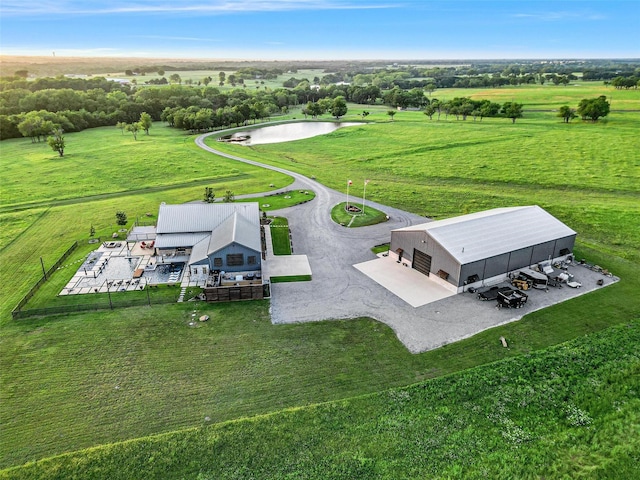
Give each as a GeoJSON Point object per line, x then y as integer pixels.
{"type": "Point", "coordinates": [480, 248]}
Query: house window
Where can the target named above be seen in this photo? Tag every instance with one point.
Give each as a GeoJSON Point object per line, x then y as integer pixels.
{"type": "Point", "coordinates": [251, 260]}
{"type": "Point", "coordinates": [235, 260]}
{"type": "Point", "coordinates": [217, 262]}
{"type": "Point", "coordinates": [204, 270]}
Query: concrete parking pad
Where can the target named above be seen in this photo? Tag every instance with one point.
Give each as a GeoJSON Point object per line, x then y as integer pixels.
{"type": "Point", "coordinates": [286, 266]}
{"type": "Point", "coordinates": [410, 285]}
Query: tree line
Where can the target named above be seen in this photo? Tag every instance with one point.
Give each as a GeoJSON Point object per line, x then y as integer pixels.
{"type": "Point", "coordinates": [77, 104]}
{"type": "Point", "coordinates": [35, 109]}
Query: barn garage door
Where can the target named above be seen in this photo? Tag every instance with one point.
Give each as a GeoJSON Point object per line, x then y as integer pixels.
{"type": "Point", "coordinates": [421, 262]}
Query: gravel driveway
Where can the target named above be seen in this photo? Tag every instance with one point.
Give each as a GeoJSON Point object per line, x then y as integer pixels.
{"type": "Point", "coordinates": [340, 291]}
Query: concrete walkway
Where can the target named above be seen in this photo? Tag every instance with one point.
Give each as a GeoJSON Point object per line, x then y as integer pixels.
{"type": "Point", "coordinates": [339, 291]}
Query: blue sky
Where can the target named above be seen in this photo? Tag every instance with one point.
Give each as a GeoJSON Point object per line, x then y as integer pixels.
{"type": "Point", "coordinates": [322, 29]}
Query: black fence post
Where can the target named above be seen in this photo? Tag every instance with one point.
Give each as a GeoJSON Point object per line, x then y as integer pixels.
{"type": "Point", "coordinates": [109, 294]}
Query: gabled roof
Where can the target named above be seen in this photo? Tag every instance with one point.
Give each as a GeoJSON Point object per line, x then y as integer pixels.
{"type": "Point", "coordinates": [480, 235]}
{"type": "Point", "coordinates": [235, 229]}
{"type": "Point", "coordinates": [202, 217]}
{"type": "Point", "coordinates": [199, 250]}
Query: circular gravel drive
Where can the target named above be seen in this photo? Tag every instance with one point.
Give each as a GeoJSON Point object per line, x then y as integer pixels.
{"type": "Point", "coordinates": [339, 291]}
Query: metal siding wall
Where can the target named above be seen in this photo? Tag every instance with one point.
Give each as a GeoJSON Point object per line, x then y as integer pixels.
{"type": "Point", "coordinates": [222, 253]}
{"type": "Point", "coordinates": [474, 268]}
{"type": "Point", "coordinates": [407, 241]}
{"type": "Point", "coordinates": [542, 252]}
{"type": "Point", "coordinates": [520, 258]}
{"type": "Point", "coordinates": [442, 260]}
{"type": "Point", "coordinates": [496, 265]}
{"type": "Point", "coordinates": [566, 242]}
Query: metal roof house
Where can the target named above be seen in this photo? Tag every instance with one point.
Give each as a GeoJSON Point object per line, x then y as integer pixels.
{"type": "Point", "coordinates": [471, 250]}
{"type": "Point", "coordinates": [211, 236]}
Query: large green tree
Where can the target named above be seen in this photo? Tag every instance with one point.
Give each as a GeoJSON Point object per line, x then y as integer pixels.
{"type": "Point", "coordinates": [512, 110]}
{"type": "Point", "coordinates": [314, 109]}
{"type": "Point", "coordinates": [35, 126]}
{"type": "Point", "coordinates": [594, 108]}
{"type": "Point", "coordinates": [339, 107]}
{"type": "Point", "coordinates": [566, 113]}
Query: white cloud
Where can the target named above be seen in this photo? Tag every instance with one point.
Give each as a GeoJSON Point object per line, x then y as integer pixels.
{"type": "Point", "coordinates": [76, 7]}
{"type": "Point", "coordinates": [560, 16]}
{"type": "Point", "coordinates": [177, 39]}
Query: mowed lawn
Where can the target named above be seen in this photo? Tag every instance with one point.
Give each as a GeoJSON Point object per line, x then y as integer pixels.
{"type": "Point", "coordinates": [76, 381]}
{"type": "Point", "coordinates": [102, 161]}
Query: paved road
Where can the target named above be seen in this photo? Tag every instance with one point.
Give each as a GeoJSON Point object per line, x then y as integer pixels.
{"type": "Point", "coordinates": [339, 291]}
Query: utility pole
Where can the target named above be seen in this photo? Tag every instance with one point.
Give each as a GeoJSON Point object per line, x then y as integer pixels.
{"type": "Point", "coordinates": [44, 272]}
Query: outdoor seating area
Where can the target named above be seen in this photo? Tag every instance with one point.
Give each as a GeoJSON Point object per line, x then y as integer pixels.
{"type": "Point", "coordinates": [242, 278]}
{"type": "Point", "coordinates": [120, 267]}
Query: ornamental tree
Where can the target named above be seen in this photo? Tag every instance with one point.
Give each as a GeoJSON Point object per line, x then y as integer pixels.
{"type": "Point", "coordinates": [56, 141]}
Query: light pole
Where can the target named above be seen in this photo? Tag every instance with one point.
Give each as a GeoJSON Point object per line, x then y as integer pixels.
{"type": "Point", "coordinates": [364, 191]}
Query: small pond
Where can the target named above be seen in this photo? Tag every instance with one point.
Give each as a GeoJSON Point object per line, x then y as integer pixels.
{"type": "Point", "coordinates": [286, 132]}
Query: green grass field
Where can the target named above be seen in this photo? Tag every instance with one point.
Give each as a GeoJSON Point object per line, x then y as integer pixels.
{"type": "Point", "coordinates": [167, 158]}
{"type": "Point", "coordinates": [280, 236]}
{"type": "Point", "coordinates": [76, 381]}
{"type": "Point", "coordinates": [534, 416]}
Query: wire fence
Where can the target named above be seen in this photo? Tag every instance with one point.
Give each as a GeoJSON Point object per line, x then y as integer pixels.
{"type": "Point", "coordinates": [46, 274]}
{"type": "Point", "coordinates": [111, 304]}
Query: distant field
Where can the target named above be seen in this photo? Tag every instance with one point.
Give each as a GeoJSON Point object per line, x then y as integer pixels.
{"type": "Point", "coordinates": [77, 381]}
{"type": "Point", "coordinates": [546, 97]}
{"type": "Point", "coordinates": [200, 75]}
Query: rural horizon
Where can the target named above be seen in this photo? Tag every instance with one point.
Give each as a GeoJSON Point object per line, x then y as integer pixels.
{"type": "Point", "coordinates": [154, 325]}
{"type": "Point", "coordinates": [360, 29]}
